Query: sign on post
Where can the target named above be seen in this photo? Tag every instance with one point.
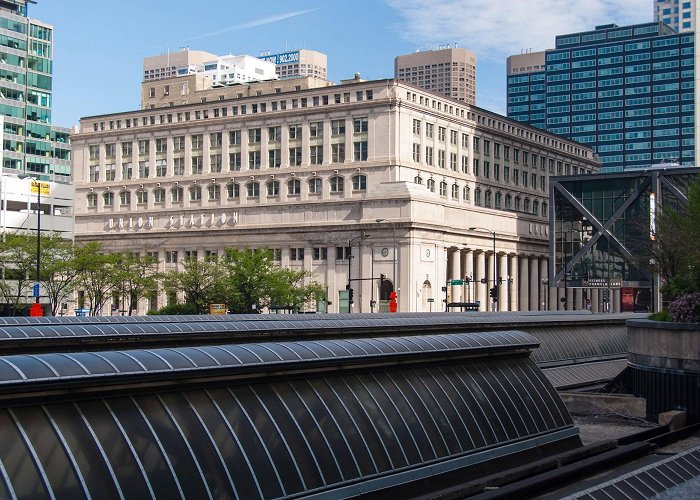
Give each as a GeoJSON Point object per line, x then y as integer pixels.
{"type": "Point", "coordinates": [36, 290]}
{"type": "Point", "coordinates": [218, 309]}
{"type": "Point", "coordinates": [44, 187]}
{"type": "Point", "coordinates": [456, 282]}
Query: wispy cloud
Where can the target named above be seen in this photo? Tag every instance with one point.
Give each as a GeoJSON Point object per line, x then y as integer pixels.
{"type": "Point", "coordinates": [500, 28]}
{"type": "Point", "coordinates": [250, 24]}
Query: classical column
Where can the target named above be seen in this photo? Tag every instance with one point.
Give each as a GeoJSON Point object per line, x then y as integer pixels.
{"type": "Point", "coordinates": [595, 298]}
{"type": "Point", "coordinates": [615, 300]}
{"type": "Point", "coordinates": [469, 273]}
{"type": "Point", "coordinates": [534, 284]}
{"type": "Point", "coordinates": [524, 304]}
{"type": "Point", "coordinates": [481, 288]}
{"type": "Point", "coordinates": [513, 287]}
{"type": "Point", "coordinates": [580, 305]}
{"type": "Point", "coordinates": [503, 287]}
{"type": "Point", "coordinates": [453, 273]}
{"type": "Point", "coordinates": [569, 299]}
{"type": "Point", "coordinates": [560, 294]}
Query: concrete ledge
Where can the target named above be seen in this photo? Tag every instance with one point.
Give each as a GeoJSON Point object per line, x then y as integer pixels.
{"type": "Point", "coordinates": [597, 404]}
{"type": "Point", "coordinates": [664, 345]}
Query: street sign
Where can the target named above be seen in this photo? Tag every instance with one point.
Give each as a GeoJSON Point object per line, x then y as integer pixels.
{"type": "Point", "coordinates": [431, 300]}
{"type": "Point", "coordinates": [36, 289]}
{"type": "Point", "coordinates": [45, 187]}
{"type": "Point", "coordinates": [456, 282]}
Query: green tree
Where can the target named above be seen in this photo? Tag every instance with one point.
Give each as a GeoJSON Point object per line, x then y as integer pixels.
{"type": "Point", "coordinates": [58, 269]}
{"type": "Point", "coordinates": [96, 274]}
{"type": "Point", "coordinates": [255, 281]}
{"type": "Point", "coordinates": [676, 247]}
{"type": "Point", "coordinates": [201, 281]}
{"type": "Point", "coordinates": [18, 259]}
{"type": "Point", "coordinates": [135, 277]}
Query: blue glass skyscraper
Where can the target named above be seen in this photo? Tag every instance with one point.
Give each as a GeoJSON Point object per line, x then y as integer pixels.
{"type": "Point", "coordinates": [627, 92]}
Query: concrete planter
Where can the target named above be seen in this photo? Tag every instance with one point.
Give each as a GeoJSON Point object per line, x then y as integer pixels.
{"type": "Point", "coordinates": [664, 361]}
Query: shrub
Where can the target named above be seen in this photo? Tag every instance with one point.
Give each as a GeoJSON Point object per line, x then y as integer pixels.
{"type": "Point", "coordinates": [176, 309]}
{"type": "Point", "coordinates": [686, 308]}
{"type": "Point", "coordinates": [660, 315]}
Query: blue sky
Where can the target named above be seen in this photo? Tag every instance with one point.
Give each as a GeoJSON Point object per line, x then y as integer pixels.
{"type": "Point", "coordinates": [100, 45]}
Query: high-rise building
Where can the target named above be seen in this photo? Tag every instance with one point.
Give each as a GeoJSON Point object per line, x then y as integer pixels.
{"type": "Point", "coordinates": [627, 92]}
{"type": "Point", "coordinates": [308, 171]}
{"type": "Point", "coordinates": [31, 146]}
{"type": "Point", "coordinates": [300, 62]}
{"type": "Point", "coordinates": [526, 88]}
{"type": "Point", "coordinates": [679, 14]}
{"type": "Point", "coordinates": [449, 71]}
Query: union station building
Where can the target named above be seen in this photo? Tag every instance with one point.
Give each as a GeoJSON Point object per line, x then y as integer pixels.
{"type": "Point", "coordinates": [351, 182]}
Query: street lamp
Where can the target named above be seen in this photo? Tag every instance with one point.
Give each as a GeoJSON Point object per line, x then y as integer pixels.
{"type": "Point", "coordinates": [393, 236]}
{"type": "Point", "coordinates": [36, 308]}
{"type": "Point", "coordinates": [495, 278]}
{"type": "Point", "coordinates": [350, 256]}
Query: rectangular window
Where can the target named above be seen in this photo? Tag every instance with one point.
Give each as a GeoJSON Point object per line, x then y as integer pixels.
{"type": "Point", "coordinates": [274, 157]}
{"type": "Point", "coordinates": [143, 169]}
{"type": "Point", "coordinates": [215, 163]}
{"type": "Point", "coordinates": [294, 132]}
{"type": "Point", "coordinates": [416, 127]}
{"type": "Point", "coordinates": [441, 158]}
{"type": "Point", "coordinates": [320, 253]}
{"type": "Point", "coordinates": [254, 160]}
{"type": "Point", "coordinates": [453, 161]}
{"type": "Point", "coordinates": [234, 137]}
{"type": "Point", "coordinates": [316, 155]}
{"type": "Point", "coordinates": [179, 143]}
{"type": "Point", "coordinates": [197, 165]}
{"type": "Point", "coordinates": [416, 152]}
{"type": "Point", "coordinates": [143, 147]}
{"type": "Point", "coordinates": [338, 152]}
{"type": "Point", "coordinates": [296, 254]}
{"type": "Point", "coordinates": [295, 156]}
{"type": "Point", "coordinates": [441, 134]}
{"type": "Point", "coordinates": [429, 130]}
{"type": "Point", "coordinates": [178, 166]}
{"type": "Point", "coordinates": [338, 128]}
{"type": "Point", "coordinates": [453, 137]}
{"type": "Point", "coordinates": [360, 149]}
{"type": "Point", "coordinates": [196, 141]}
{"type": "Point", "coordinates": [274, 134]}
{"type": "Point", "coordinates": [428, 155]}
{"type": "Point", "coordinates": [127, 170]}
{"type": "Point", "coordinates": [161, 168]}
{"type": "Point", "coordinates": [316, 130]}
{"type": "Point", "coordinates": [254, 136]}
{"type": "Point", "coordinates": [234, 161]}
{"type": "Point", "coordinates": [360, 125]}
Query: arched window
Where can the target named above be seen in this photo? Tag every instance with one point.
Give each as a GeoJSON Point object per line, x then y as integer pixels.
{"type": "Point", "coordinates": [526, 206]}
{"type": "Point", "coordinates": [233, 189]}
{"type": "Point", "coordinates": [108, 198]}
{"type": "Point", "coordinates": [141, 197]}
{"type": "Point", "coordinates": [509, 202]}
{"type": "Point", "coordinates": [431, 185]}
{"type": "Point", "coordinates": [337, 184]}
{"type": "Point", "coordinates": [466, 193]}
{"type": "Point", "coordinates": [418, 179]}
{"type": "Point", "coordinates": [273, 188]}
{"type": "Point", "coordinates": [477, 196]}
{"type": "Point", "coordinates": [359, 182]}
{"type": "Point", "coordinates": [214, 191]}
{"type": "Point", "coordinates": [315, 185]}
{"type": "Point", "coordinates": [125, 198]}
{"type": "Point", "coordinates": [455, 191]}
{"type": "Point", "coordinates": [545, 212]}
{"type": "Point", "coordinates": [294, 187]}
{"type": "Point", "coordinates": [177, 194]}
{"type": "Point", "coordinates": [497, 199]}
{"type": "Point", "coordinates": [443, 188]}
{"type": "Point", "coordinates": [253, 189]}
{"type": "Point", "coordinates": [91, 200]}
{"type": "Point", "coordinates": [195, 193]}
{"type": "Point", "coordinates": [487, 198]}
{"type": "Point", "coordinates": [536, 207]}
{"type": "Point", "coordinates": [517, 203]}
{"type": "Point", "coordinates": [159, 195]}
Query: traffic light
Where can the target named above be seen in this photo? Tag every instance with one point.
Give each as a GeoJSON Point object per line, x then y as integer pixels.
{"type": "Point", "coordinates": [382, 277]}
{"type": "Point", "coordinates": [351, 293]}
{"type": "Point", "coordinates": [493, 293]}
{"type": "Point", "coordinates": [467, 280]}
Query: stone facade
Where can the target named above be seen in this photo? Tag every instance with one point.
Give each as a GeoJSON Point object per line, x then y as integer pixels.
{"type": "Point", "coordinates": [310, 172]}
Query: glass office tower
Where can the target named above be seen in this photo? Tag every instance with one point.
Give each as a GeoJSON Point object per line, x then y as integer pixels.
{"type": "Point", "coordinates": [30, 143]}
{"type": "Point", "coordinates": [627, 92]}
